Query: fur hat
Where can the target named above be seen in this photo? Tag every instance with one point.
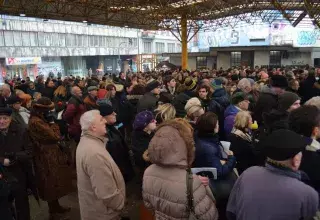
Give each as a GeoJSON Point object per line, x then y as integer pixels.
{"type": "Point", "coordinates": [152, 84]}
{"type": "Point", "coordinates": [142, 119]}
{"type": "Point", "coordinates": [193, 105]}
{"type": "Point", "coordinates": [279, 81]}
{"type": "Point", "coordinates": [43, 104]}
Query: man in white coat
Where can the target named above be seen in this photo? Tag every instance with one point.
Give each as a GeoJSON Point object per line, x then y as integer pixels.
{"type": "Point", "coordinates": [101, 187]}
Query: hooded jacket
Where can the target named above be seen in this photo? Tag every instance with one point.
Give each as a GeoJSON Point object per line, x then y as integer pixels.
{"type": "Point", "coordinates": [164, 182]}
{"type": "Point", "coordinates": [267, 101]}
{"type": "Point", "coordinates": [229, 116]}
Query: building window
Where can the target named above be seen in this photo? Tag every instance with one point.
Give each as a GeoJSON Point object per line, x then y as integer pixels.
{"type": "Point", "coordinates": [159, 47]}
{"type": "Point", "coordinates": [171, 48]}
{"type": "Point", "coordinates": [179, 48]}
{"type": "Point", "coordinates": [147, 47]}
{"type": "Point", "coordinates": [201, 62]}
{"type": "Point", "coordinates": [235, 59]}
{"type": "Point", "coordinates": [275, 58]}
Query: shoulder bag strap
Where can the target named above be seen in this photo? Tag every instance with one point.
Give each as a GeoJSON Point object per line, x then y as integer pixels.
{"type": "Point", "coordinates": [190, 190]}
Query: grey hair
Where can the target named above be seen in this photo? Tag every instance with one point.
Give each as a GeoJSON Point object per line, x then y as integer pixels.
{"type": "Point", "coordinates": [87, 119]}
{"type": "Point", "coordinates": [5, 86]}
{"type": "Point", "coordinates": [315, 101]}
{"type": "Point", "coordinates": [73, 88]}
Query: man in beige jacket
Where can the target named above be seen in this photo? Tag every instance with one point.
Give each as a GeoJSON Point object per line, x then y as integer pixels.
{"type": "Point", "coordinates": [101, 187]}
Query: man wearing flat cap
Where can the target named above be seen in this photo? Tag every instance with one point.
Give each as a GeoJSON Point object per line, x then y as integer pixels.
{"type": "Point", "coordinates": [15, 157]}
{"type": "Point", "coordinates": [276, 190]}
{"type": "Point", "coordinates": [91, 100]}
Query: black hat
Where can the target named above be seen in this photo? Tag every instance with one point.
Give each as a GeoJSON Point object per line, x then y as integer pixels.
{"type": "Point", "coordinates": [279, 81]}
{"type": "Point", "coordinates": [5, 111]}
{"type": "Point", "coordinates": [13, 100]}
{"type": "Point", "coordinates": [105, 109]}
{"type": "Point", "coordinates": [238, 97]}
{"type": "Point", "coordinates": [152, 84]}
{"type": "Point", "coordinates": [283, 144]}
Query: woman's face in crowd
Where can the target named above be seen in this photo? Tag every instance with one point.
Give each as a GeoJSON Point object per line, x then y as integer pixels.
{"type": "Point", "coordinates": [172, 83]}
{"type": "Point", "coordinates": [295, 86]}
{"type": "Point", "coordinates": [113, 92]}
{"type": "Point", "coordinates": [31, 85]}
{"type": "Point", "coordinates": [216, 129]}
{"type": "Point", "coordinates": [51, 84]}
{"type": "Point", "coordinates": [152, 125]}
{"type": "Point", "coordinates": [203, 93]}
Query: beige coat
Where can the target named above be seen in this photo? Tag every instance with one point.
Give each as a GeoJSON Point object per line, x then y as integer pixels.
{"type": "Point", "coordinates": [164, 182]}
{"type": "Point", "coordinates": [101, 187]}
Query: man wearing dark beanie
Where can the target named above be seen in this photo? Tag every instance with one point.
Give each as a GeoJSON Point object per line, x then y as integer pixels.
{"type": "Point", "coordinates": [278, 118]}
{"type": "Point", "coordinates": [268, 98]}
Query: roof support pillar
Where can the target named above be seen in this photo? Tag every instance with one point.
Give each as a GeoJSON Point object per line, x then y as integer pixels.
{"type": "Point", "coordinates": [184, 43]}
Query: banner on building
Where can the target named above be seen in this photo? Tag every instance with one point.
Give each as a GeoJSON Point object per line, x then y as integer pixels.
{"type": "Point", "coordinates": [23, 60]}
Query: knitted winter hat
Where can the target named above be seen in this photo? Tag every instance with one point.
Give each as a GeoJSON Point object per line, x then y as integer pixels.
{"type": "Point", "coordinates": [217, 83]}
{"type": "Point", "coordinates": [286, 100]}
{"type": "Point", "coordinates": [142, 119]}
{"type": "Point", "coordinates": [193, 105]}
{"type": "Point", "coordinates": [190, 83]}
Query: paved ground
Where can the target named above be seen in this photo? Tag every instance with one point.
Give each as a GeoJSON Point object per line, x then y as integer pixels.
{"type": "Point", "coordinates": [131, 210]}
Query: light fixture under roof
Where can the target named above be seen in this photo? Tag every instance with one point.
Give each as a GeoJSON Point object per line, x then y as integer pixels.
{"type": "Point", "coordinates": [22, 15]}
{"type": "Point", "coordinates": [126, 26]}
{"type": "Point", "coordinates": [84, 21]}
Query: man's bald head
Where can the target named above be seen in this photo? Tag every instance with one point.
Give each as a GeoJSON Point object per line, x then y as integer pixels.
{"type": "Point", "coordinates": [6, 91]}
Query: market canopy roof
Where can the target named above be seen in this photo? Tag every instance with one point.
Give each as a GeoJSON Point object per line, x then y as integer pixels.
{"type": "Point", "coordinates": [158, 14]}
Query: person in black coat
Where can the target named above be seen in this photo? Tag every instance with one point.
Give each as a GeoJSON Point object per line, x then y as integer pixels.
{"type": "Point", "coordinates": [305, 121]}
{"type": "Point", "coordinates": [241, 142]}
{"type": "Point", "coordinates": [16, 157]}
{"type": "Point", "coordinates": [143, 128]}
{"type": "Point", "coordinates": [116, 144]}
{"type": "Point", "coordinates": [150, 100]}
{"type": "Point", "coordinates": [5, 203]}
{"type": "Point", "coordinates": [48, 90]}
{"type": "Point", "coordinates": [268, 98]}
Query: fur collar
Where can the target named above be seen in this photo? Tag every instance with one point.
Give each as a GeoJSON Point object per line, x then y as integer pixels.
{"type": "Point", "coordinates": [241, 134]}
{"type": "Point", "coordinates": [314, 146]}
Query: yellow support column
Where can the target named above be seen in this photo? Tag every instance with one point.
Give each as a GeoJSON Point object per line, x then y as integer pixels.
{"type": "Point", "coordinates": [184, 42]}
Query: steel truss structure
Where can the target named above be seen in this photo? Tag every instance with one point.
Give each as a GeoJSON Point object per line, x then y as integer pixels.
{"type": "Point", "coordinates": [165, 14]}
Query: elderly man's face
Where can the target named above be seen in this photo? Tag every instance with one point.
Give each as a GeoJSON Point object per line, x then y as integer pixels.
{"type": "Point", "coordinates": [5, 121]}
{"type": "Point", "coordinates": [99, 125]}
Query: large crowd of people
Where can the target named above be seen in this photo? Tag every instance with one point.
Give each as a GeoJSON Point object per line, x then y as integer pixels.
{"type": "Point", "coordinates": [257, 128]}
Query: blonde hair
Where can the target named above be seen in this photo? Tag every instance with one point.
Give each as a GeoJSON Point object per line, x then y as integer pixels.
{"type": "Point", "coordinates": [241, 120]}
{"type": "Point", "coordinates": [165, 112]}
{"type": "Point", "coordinates": [315, 101]}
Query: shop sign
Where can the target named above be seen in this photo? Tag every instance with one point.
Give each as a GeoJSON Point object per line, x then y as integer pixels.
{"type": "Point", "coordinates": [23, 60]}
